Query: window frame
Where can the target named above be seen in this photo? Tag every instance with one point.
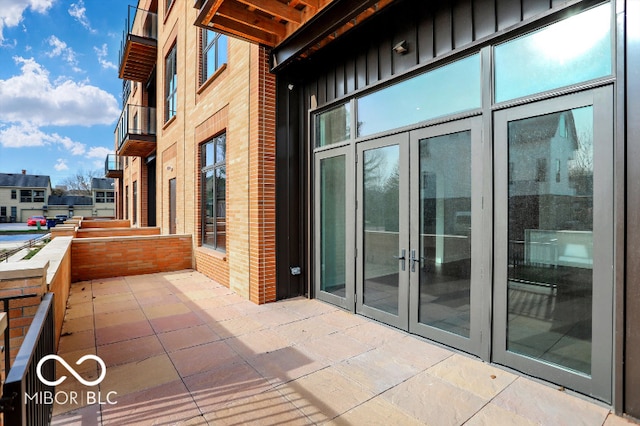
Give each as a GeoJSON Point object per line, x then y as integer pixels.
{"type": "Point", "coordinates": [204, 170]}
{"type": "Point", "coordinates": [14, 194]}
{"type": "Point", "coordinates": [24, 198]}
{"type": "Point", "coordinates": [207, 45]}
{"type": "Point", "coordinates": [171, 83]}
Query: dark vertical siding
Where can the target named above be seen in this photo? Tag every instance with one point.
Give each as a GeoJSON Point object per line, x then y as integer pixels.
{"type": "Point", "coordinates": [484, 18]}
{"type": "Point", "coordinates": [463, 23]}
{"type": "Point", "coordinates": [509, 13]}
{"type": "Point", "coordinates": [632, 294]}
{"type": "Point", "coordinates": [425, 38]}
{"type": "Point", "coordinates": [431, 29]}
{"type": "Point", "coordinates": [443, 31]}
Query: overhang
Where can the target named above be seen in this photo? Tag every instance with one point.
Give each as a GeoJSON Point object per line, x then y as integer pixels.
{"type": "Point", "coordinates": [294, 29]}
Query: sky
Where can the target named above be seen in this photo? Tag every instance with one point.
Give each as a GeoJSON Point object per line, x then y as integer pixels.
{"type": "Point", "coordinates": [60, 95]}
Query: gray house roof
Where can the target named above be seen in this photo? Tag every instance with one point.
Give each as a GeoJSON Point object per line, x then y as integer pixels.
{"type": "Point", "coordinates": [18, 180]}
{"type": "Point", "coordinates": [70, 200]}
{"type": "Point", "coordinates": [102, 184]}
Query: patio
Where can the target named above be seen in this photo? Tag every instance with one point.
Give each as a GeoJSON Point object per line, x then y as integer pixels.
{"type": "Point", "coordinates": [182, 349]}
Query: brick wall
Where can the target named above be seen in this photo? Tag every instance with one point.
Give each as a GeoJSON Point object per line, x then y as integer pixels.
{"type": "Point", "coordinates": [105, 224]}
{"type": "Point", "coordinates": [116, 232]}
{"type": "Point", "coordinates": [262, 156]}
{"type": "Point", "coordinates": [95, 258]}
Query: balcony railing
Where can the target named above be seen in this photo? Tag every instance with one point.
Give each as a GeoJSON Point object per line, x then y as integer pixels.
{"type": "Point", "coordinates": [136, 131]}
{"type": "Point", "coordinates": [113, 166]}
{"type": "Point", "coordinates": [139, 45]}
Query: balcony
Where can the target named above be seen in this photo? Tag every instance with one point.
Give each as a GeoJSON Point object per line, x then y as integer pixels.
{"type": "Point", "coordinates": [136, 131]}
{"type": "Point", "coordinates": [139, 45]}
{"type": "Point", "coordinates": [296, 28]}
{"type": "Point", "coordinates": [113, 167]}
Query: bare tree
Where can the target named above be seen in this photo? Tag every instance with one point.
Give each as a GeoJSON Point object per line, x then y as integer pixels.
{"type": "Point", "coordinates": [80, 182]}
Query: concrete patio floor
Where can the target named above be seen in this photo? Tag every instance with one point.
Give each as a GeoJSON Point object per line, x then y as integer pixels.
{"type": "Point", "coordinates": [182, 349]}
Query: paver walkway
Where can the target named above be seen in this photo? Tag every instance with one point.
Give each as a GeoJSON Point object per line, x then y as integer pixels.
{"type": "Point", "coordinates": [182, 349]}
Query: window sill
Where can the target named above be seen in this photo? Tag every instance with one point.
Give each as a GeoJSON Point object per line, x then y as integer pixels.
{"type": "Point", "coordinates": [212, 252]}
{"type": "Point", "coordinates": [210, 80]}
{"type": "Point", "coordinates": [168, 123]}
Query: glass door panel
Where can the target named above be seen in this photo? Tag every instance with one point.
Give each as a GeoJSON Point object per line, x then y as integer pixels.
{"type": "Point", "coordinates": [554, 246]}
{"type": "Point", "coordinates": [550, 234]}
{"type": "Point", "coordinates": [382, 228]}
{"type": "Point", "coordinates": [445, 203]}
{"type": "Point", "coordinates": [333, 219]}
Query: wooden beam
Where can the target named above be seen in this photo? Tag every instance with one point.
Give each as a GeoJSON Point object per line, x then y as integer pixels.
{"type": "Point", "coordinates": [277, 9]}
{"type": "Point", "coordinates": [229, 26]}
{"type": "Point", "coordinates": [238, 12]}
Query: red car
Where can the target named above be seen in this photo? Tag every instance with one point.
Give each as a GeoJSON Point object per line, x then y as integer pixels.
{"type": "Point", "coordinates": [33, 220]}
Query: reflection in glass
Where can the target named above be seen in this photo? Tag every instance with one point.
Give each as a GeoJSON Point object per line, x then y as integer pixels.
{"type": "Point", "coordinates": [333, 126]}
{"type": "Point", "coordinates": [381, 228]}
{"type": "Point", "coordinates": [445, 232]}
{"type": "Point", "coordinates": [565, 53]}
{"type": "Point", "coordinates": [333, 273]}
{"type": "Point", "coordinates": [446, 90]}
{"type": "Point", "coordinates": [550, 232]}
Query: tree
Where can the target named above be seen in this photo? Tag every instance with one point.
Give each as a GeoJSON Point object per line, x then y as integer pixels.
{"type": "Point", "coordinates": [80, 182]}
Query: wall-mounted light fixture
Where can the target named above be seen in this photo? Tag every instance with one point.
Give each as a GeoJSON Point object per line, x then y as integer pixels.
{"type": "Point", "coordinates": [169, 168]}
{"type": "Point", "coordinates": [401, 48]}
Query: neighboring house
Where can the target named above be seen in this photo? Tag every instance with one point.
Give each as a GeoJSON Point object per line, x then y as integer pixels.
{"type": "Point", "coordinates": [70, 205]}
{"type": "Point", "coordinates": [103, 194]}
{"type": "Point", "coordinates": [23, 195]}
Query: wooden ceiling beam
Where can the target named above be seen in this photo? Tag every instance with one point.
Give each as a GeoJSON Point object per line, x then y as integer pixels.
{"type": "Point", "coordinates": [238, 12]}
{"type": "Point", "coordinates": [277, 9]}
{"type": "Point", "coordinates": [245, 31]}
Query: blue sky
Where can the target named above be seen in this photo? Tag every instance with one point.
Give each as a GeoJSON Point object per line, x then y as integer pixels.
{"type": "Point", "coordinates": [60, 95]}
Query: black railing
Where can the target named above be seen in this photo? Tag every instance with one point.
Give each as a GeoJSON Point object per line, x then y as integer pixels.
{"type": "Point", "coordinates": [135, 120]}
{"type": "Point", "coordinates": [112, 163]}
{"type": "Point", "coordinates": [141, 23]}
{"type": "Point", "coordinates": [23, 393]}
{"type": "Point", "coordinates": [5, 255]}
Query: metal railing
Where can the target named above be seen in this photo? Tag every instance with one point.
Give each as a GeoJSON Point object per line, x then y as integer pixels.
{"type": "Point", "coordinates": [135, 120]}
{"type": "Point", "coordinates": [112, 163]}
{"type": "Point", "coordinates": [4, 256]}
{"type": "Point", "coordinates": [141, 23]}
{"type": "Point", "coordinates": [22, 393]}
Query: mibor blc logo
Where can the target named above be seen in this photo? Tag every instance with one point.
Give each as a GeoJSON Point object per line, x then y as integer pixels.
{"type": "Point", "coordinates": [71, 397]}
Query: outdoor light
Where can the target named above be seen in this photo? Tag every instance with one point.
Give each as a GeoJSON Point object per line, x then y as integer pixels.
{"type": "Point", "coordinates": [401, 48]}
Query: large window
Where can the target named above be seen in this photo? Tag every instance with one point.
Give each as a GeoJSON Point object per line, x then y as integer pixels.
{"type": "Point", "coordinates": [38, 196]}
{"type": "Point", "coordinates": [25, 196]}
{"type": "Point", "coordinates": [450, 89]}
{"type": "Point", "coordinates": [568, 52]}
{"type": "Point", "coordinates": [171, 84]}
{"type": "Point", "coordinates": [104, 197]}
{"type": "Point", "coordinates": [213, 53]}
{"type": "Point", "coordinates": [214, 184]}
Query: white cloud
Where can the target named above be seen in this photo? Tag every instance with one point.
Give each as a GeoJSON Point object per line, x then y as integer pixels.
{"type": "Point", "coordinates": [33, 98]}
{"type": "Point", "coordinates": [102, 54]}
{"type": "Point", "coordinates": [28, 135]}
{"type": "Point", "coordinates": [11, 11]}
{"type": "Point", "coordinates": [99, 152]}
{"type": "Point", "coordinates": [60, 48]}
{"type": "Point", "coordinates": [78, 11]}
{"type": "Point", "coordinates": [61, 165]}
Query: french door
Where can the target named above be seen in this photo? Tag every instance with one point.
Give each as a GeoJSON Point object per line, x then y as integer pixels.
{"type": "Point", "coordinates": [418, 255]}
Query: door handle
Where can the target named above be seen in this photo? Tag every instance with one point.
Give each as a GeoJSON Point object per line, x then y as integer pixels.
{"type": "Point", "coordinates": [414, 259]}
{"type": "Point", "coordinates": [402, 257]}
